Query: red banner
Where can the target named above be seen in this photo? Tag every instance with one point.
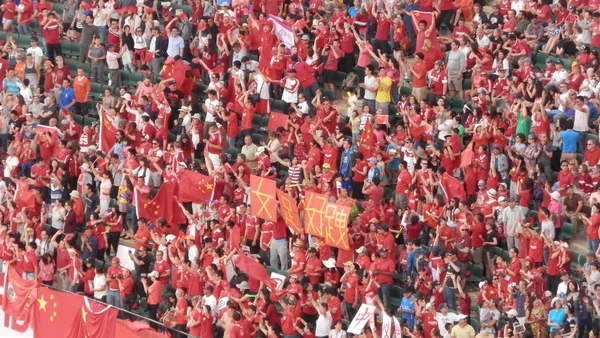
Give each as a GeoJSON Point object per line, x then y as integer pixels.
{"type": "Point", "coordinates": [327, 220]}
{"type": "Point", "coordinates": [198, 188]}
{"type": "Point", "coordinates": [25, 197]}
{"type": "Point", "coordinates": [19, 294]}
{"type": "Point", "coordinates": [289, 212]}
{"type": "Point", "coordinates": [277, 120]}
{"type": "Point", "coordinates": [263, 196]}
{"type": "Point", "coordinates": [98, 319]}
{"type": "Point", "coordinates": [418, 132]}
{"type": "Point", "coordinates": [381, 119]}
{"type": "Point", "coordinates": [108, 133]}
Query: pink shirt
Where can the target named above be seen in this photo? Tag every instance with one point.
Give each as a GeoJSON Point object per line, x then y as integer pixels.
{"type": "Point", "coordinates": [364, 58]}
{"type": "Point", "coordinates": [46, 272]}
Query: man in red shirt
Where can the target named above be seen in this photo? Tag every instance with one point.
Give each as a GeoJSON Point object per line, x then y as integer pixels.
{"type": "Point", "coordinates": [350, 280]}
{"type": "Point", "coordinates": [142, 236]}
{"type": "Point", "coordinates": [592, 153]}
{"type": "Point", "coordinates": [334, 54]}
{"type": "Point", "coordinates": [288, 319]}
{"type": "Point", "coordinates": [402, 184]}
{"type": "Point", "coordinates": [438, 82]}
{"type": "Point", "coordinates": [305, 75]}
{"type": "Point", "coordinates": [180, 312]}
{"type": "Point", "coordinates": [201, 323]}
{"type": "Point", "coordinates": [383, 270]}
{"type": "Point", "coordinates": [113, 274]}
{"type": "Point", "coordinates": [382, 34]}
{"type": "Point", "coordinates": [419, 73]}
{"type": "Point", "coordinates": [51, 32]}
{"type": "Point", "coordinates": [30, 263]}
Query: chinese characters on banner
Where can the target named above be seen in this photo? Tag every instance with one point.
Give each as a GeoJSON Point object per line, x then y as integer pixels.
{"type": "Point", "coordinates": [364, 314]}
{"type": "Point", "coordinates": [289, 212]}
{"type": "Point", "coordinates": [327, 220]}
{"type": "Point", "coordinates": [386, 326]}
{"type": "Point", "coordinates": [263, 193]}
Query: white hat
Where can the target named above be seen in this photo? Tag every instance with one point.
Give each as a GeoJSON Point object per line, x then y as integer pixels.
{"type": "Point", "coordinates": [461, 316]}
{"type": "Point", "coordinates": [554, 300]}
{"type": "Point", "coordinates": [170, 238]}
{"type": "Point", "coordinates": [502, 199]}
{"type": "Point", "coordinates": [197, 117]}
{"type": "Point", "coordinates": [330, 263]}
{"type": "Point", "coordinates": [126, 97]}
{"type": "Point", "coordinates": [492, 193]}
{"type": "Point", "coordinates": [185, 108]}
{"type": "Point", "coordinates": [242, 286]}
{"type": "Point", "coordinates": [74, 194]}
{"type": "Point", "coordinates": [555, 195]}
{"type": "Point", "coordinates": [362, 249]}
{"type": "Point", "coordinates": [85, 167]}
{"type": "Point", "coordinates": [260, 150]}
{"type": "Point", "coordinates": [481, 284]}
{"type": "Point", "coordinates": [565, 245]}
{"type": "Point", "coordinates": [154, 274]}
{"type": "Point", "coordinates": [513, 312]}
{"type": "Point", "coordinates": [93, 147]}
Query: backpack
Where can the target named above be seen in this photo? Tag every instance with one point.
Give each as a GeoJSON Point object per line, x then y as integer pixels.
{"type": "Point", "coordinates": [350, 82]}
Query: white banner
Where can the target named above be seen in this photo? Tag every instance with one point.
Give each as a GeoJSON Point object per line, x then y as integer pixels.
{"type": "Point", "coordinates": [386, 326]}
{"type": "Point", "coordinates": [283, 32]}
{"type": "Point", "coordinates": [361, 318]}
{"type": "Point", "coordinates": [9, 327]}
{"type": "Point", "coordinates": [397, 328]}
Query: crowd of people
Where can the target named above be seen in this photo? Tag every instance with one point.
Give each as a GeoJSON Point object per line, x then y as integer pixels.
{"type": "Point", "coordinates": [502, 100]}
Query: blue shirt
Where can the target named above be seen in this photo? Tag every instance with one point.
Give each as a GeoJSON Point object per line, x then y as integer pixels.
{"type": "Point", "coordinates": [12, 86]}
{"type": "Point", "coordinates": [87, 253]}
{"type": "Point", "coordinates": [345, 162]}
{"type": "Point", "coordinates": [569, 141]}
{"type": "Point", "coordinates": [67, 95]}
{"type": "Point", "coordinates": [175, 44]}
{"type": "Point", "coordinates": [373, 172]}
{"type": "Point", "coordinates": [406, 304]}
{"type": "Point", "coordinates": [593, 114]}
{"type": "Point", "coordinates": [557, 317]}
{"type": "Point", "coordinates": [352, 11]}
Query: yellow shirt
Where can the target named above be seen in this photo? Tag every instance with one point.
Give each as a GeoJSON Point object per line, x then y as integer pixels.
{"type": "Point", "coordinates": [462, 332]}
{"type": "Point", "coordinates": [382, 94]}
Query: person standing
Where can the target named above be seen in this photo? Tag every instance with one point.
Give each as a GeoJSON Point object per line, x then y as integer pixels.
{"type": "Point", "coordinates": [51, 28]}
{"type": "Point", "coordinates": [370, 87]}
{"type": "Point", "coordinates": [81, 88]}
{"type": "Point", "coordinates": [455, 67]}
{"type": "Point", "coordinates": [419, 74]}
{"type": "Point", "coordinates": [88, 31]}
{"type": "Point", "coordinates": [97, 54]}
{"type": "Point", "coordinates": [153, 292]}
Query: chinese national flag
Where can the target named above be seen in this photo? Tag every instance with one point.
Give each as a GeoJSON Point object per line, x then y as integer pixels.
{"type": "Point", "coordinates": [19, 294]}
{"type": "Point", "coordinates": [197, 187]}
{"type": "Point", "coordinates": [466, 158]}
{"type": "Point", "coordinates": [429, 18]}
{"type": "Point", "coordinates": [452, 187]}
{"type": "Point", "coordinates": [367, 144]}
{"type": "Point", "coordinates": [263, 195]}
{"type": "Point", "coordinates": [277, 120]}
{"type": "Point", "coordinates": [97, 319]}
{"type": "Point", "coordinates": [47, 147]}
{"type": "Point", "coordinates": [289, 212]}
{"type": "Point", "coordinates": [58, 312]}
{"type": "Point", "coordinates": [381, 119]}
{"type": "Point", "coordinates": [24, 197]}
{"type": "Point", "coordinates": [162, 205]}
{"type": "Point", "coordinates": [127, 9]}
{"type": "Point", "coordinates": [327, 220]}
{"type": "Point", "coordinates": [108, 133]}
{"type": "Point", "coordinates": [218, 69]}
{"type": "Point", "coordinates": [254, 270]}
{"type": "Point", "coordinates": [418, 132]}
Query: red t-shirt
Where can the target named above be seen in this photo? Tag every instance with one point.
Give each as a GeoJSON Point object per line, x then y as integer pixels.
{"type": "Point", "coordinates": [383, 28]}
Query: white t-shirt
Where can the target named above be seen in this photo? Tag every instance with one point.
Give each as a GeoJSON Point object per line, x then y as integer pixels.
{"type": "Point", "coordinates": [210, 105]}
{"type": "Point", "coordinates": [212, 302]}
{"type": "Point", "coordinates": [443, 320]}
{"type": "Point", "coordinates": [290, 91]}
{"type": "Point", "coordinates": [582, 117]}
{"type": "Point", "coordinates": [193, 253]}
{"type": "Point", "coordinates": [323, 325]}
{"type": "Point", "coordinates": [370, 82]}
{"type": "Point", "coordinates": [100, 283]}
{"type": "Point", "coordinates": [11, 163]}
{"type": "Point", "coordinates": [37, 54]}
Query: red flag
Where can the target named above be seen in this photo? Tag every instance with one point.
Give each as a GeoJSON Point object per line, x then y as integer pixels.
{"type": "Point", "coordinates": [162, 205]}
{"type": "Point", "coordinates": [367, 143]}
{"type": "Point", "coordinates": [263, 193]}
{"type": "Point", "coordinates": [300, 24]}
{"type": "Point", "coordinates": [48, 141]}
{"type": "Point", "coordinates": [197, 187]}
{"type": "Point", "coordinates": [98, 320]}
{"type": "Point", "coordinates": [452, 187]}
{"type": "Point", "coordinates": [19, 295]}
{"type": "Point", "coordinates": [418, 132]}
{"type": "Point", "coordinates": [254, 270]}
{"type": "Point", "coordinates": [218, 69]}
{"type": "Point", "coordinates": [466, 157]}
{"type": "Point", "coordinates": [277, 120]}
{"type": "Point", "coordinates": [108, 133]}
{"type": "Point", "coordinates": [127, 9]}
{"type": "Point", "coordinates": [59, 312]}
{"type": "Point", "coordinates": [327, 220]}
{"type": "Point", "coordinates": [24, 197]}
{"type": "Point", "coordinates": [289, 212]}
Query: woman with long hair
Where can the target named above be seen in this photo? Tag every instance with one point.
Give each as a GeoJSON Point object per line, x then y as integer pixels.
{"type": "Point", "coordinates": [490, 240]}
{"type": "Point", "coordinates": [47, 266]}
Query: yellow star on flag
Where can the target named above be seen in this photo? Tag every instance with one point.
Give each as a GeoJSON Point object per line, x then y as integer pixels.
{"type": "Point", "coordinates": [208, 186]}
{"type": "Point", "coordinates": [42, 303]}
{"type": "Point", "coordinates": [84, 314]}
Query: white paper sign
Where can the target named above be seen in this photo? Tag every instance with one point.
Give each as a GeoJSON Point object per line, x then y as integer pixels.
{"type": "Point", "coordinates": [361, 318]}
{"type": "Point", "coordinates": [279, 279]}
{"type": "Point", "coordinates": [386, 326]}
{"type": "Point", "coordinates": [222, 303]}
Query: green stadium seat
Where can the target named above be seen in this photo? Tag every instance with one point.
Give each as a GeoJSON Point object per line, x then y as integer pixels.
{"type": "Point", "coordinates": [405, 90]}
{"type": "Point", "coordinates": [232, 152]}
{"type": "Point", "coordinates": [65, 47]}
{"type": "Point", "coordinates": [467, 84]}
{"type": "Point", "coordinates": [396, 296]}
{"type": "Point", "coordinates": [75, 50]}
{"type": "Point", "coordinates": [277, 106]}
{"type": "Point", "coordinates": [88, 121]}
{"type": "Point", "coordinates": [171, 137]}
{"type": "Point", "coordinates": [476, 274]}
{"type": "Point", "coordinates": [186, 9]}
{"type": "Point", "coordinates": [339, 79]}
{"type": "Point", "coordinates": [566, 230]}
{"type": "Point", "coordinates": [272, 269]}
{"type": "Point", "coordinates": [457, 104]}
{"type": "Point", "coordinates": [540, 61]}
{"type": "Point", "coordinates": [23, 41]}
{"type": "Point", "coordinates": [96, 90]}
{"type": "Point", "coordinates": [534, 214]}
{"type": "Point", "coordinates": [256, 138]}
{"type": "Point", "coordinates": [264, 122]}
{"type": "Point", "coordinates": [591, 136]}
{"type": "Point", "coordinates": [256, 121]}
{"type": "Point", "coordinates": [78, 119]}
{"type": "Point", "coordinates": [328, 94]}
{"type": "Point", "coordinates": [72, 64]}
{"type": "Point", "coordinates": [505, 256]}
